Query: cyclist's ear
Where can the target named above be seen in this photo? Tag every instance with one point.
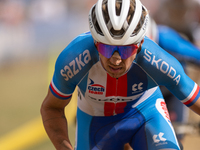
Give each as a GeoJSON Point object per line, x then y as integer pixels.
{"type": "Point", "coordinates": [140, 47]}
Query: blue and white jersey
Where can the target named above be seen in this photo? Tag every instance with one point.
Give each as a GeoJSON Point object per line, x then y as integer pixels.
{"type": "Point", "coordinates": [101, 95]}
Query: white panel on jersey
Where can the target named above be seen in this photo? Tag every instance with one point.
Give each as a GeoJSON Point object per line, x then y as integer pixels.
{"type": "Point", "coordinates": [96, 89]}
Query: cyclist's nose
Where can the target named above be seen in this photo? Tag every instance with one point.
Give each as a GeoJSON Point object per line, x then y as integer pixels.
{"type": "Point", "coordinates": [115, 59]}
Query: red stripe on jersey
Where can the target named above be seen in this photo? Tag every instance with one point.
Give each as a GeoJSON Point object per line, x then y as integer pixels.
{"type": "Point", "coordinates": [109, 108]}
{"type": "Point", "coordinates": [120, 107]}
{"type": "Point", "coordinates": [122, 86]}
{"type": "Point", "coordinates": [116, 87]}
{"type": "Point", "coordinates": [111, 86]}
{"type": "Point", "coordinates": [58, 93]}
{"type": "Point", "coordinates": [114, 108]}
{"type": "Point", "coordinates": [193, 97]}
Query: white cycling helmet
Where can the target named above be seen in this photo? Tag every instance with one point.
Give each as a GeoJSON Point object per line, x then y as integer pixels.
{"type": "Point", "coordinates": [118, 22]}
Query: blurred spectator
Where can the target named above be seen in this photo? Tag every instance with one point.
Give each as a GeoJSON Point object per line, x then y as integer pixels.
{"type": "Point", "coordinates": [81, 6]}
{"type": "Point", "coordinates": [12, 12]}
{"type": "Point", "coordinates": [49, 21]}
{"type": "Point", "coordinates": [15, 35]}
{"type": "Point", "coordinates": [196, 25]}
{"type": "Point", "coordinates": [48, 10]}
{"type": "Point", "coordinates": [179, 15]}
{"type": "Point", "coordinates": [30, 27]}
{"type": "Point", "coordinates": [152, 6]}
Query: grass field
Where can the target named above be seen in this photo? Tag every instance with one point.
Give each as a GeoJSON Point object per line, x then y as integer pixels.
{"type": "Point", "coordinates": [23, 87]}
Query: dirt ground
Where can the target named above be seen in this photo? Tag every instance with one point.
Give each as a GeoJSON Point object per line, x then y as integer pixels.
{"type": "Point", "coordinates": [23, 87]}
{"type": "Point", "coordinates": [191, 142]}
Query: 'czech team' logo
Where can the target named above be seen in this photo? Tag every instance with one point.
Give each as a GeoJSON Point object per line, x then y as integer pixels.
{"type": "Point", "coordinates": [95, 88]}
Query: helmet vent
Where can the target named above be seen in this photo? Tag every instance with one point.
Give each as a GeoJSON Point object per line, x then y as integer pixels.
{"type": "Point", "coordinates": [94, 20]}
{"type": "Point", "coordinates": [118, 7]}
{"type": "Point", "coordinates": [131, 12]}
{"type": "Point", "coordinates": [140, 23]}
{"type": "Point", "coordinates": [105, 12]}
{"type": "Point", "coordinates": [117, 34]}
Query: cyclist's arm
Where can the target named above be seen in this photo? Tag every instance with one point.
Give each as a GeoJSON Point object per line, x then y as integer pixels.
{"type": "Point", "coordinates": [171, 41]}
{"type": "Point", "coordinates": [167, 71]}
{"type": "Point", "coordinates": [196, 106]}
{"type": "Point", "coordinates": [55, 122]}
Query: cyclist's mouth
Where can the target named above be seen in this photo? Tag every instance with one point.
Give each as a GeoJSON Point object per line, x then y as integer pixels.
{"type": "Point", "coordinates": [115, 70]}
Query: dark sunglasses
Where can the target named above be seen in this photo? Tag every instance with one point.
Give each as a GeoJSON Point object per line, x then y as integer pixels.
{"type": "Point", "coordinates": [124, 51]}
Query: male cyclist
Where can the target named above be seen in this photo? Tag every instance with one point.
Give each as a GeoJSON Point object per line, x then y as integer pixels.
{"type": "Point", "coordinates": [117, 71]}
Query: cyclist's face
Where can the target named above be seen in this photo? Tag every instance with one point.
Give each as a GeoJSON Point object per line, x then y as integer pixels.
{"type": "Point", "coordinates": [115, 65]}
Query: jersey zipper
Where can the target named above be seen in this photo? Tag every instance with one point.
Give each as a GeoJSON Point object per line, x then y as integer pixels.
{"type": "Point", "coordinates": [115, 101]}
